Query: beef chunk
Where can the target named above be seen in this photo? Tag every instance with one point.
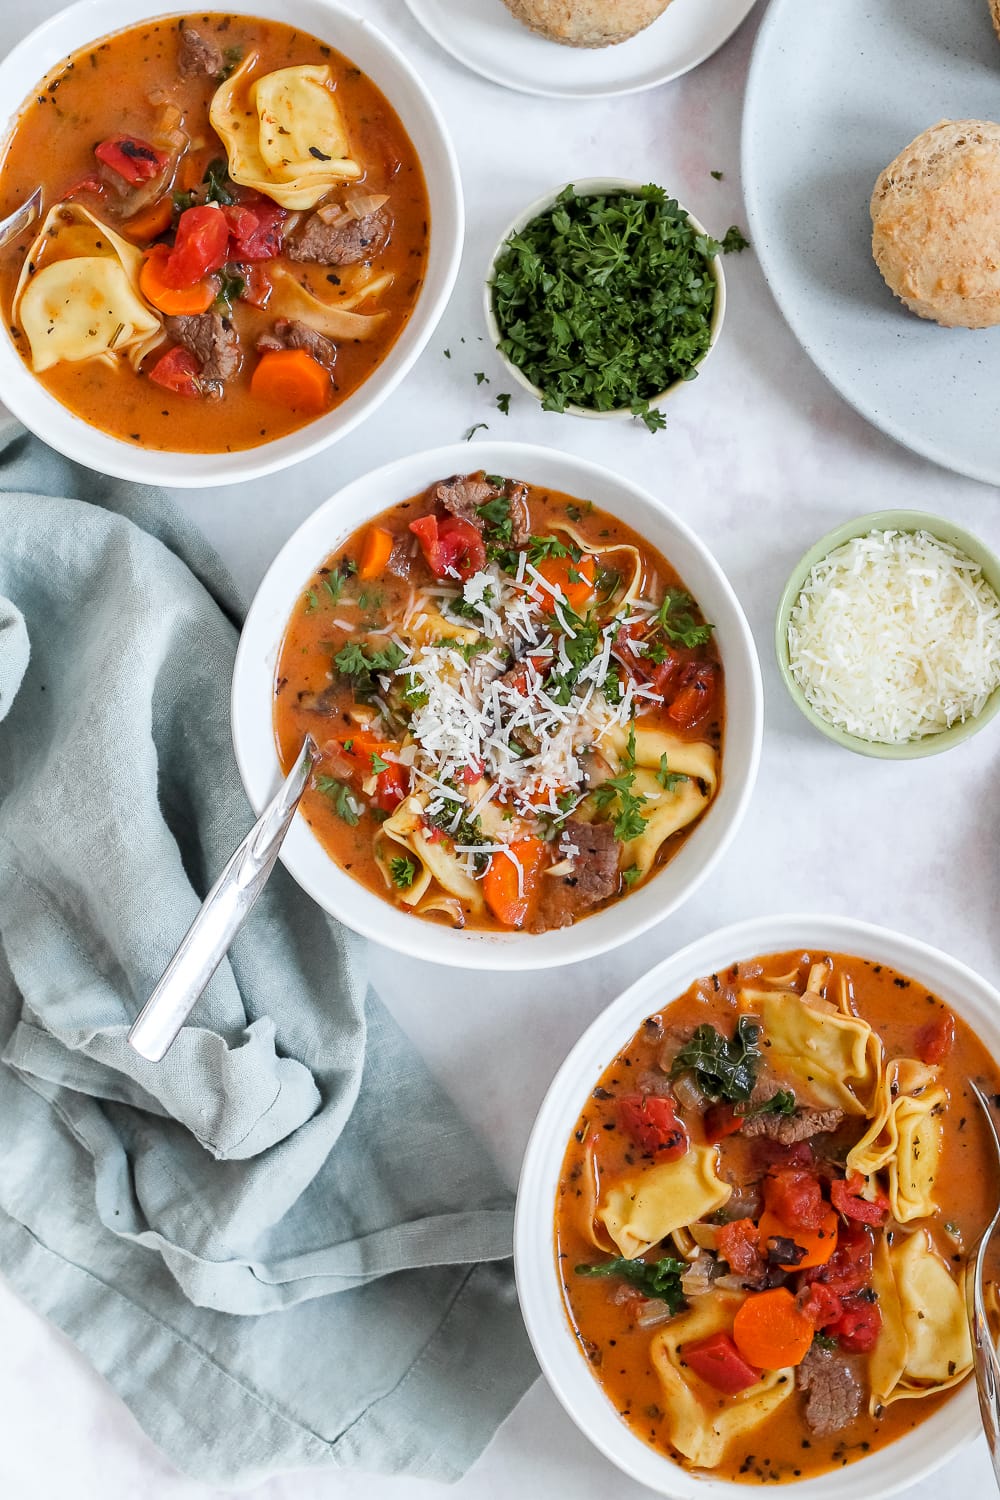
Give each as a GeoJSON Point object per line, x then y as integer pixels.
{"type": "Point", "coordinates": [198, 54]}
{"type": "Point", "coordinates": [291, 334]}
{"type": "Point", "coordinates": [339, 244]}
{"type": "Point", "coordinates": [832, 1391]}
{"type": "Point", "coordinates": [461, 496]}
{"type": "Point", "coordinates": [212, 340]}
{"type": "Point", "coordinates": [802, 1126]}
{"type": "Point", "coordinates": [594, 876]}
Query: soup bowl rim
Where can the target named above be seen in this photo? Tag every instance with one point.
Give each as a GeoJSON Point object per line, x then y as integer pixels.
{"type": "Point", "coordinates": [345, 897]}
{"type": "Point", "coordinates": [898, 1464]}
{"type": "Point", "coordinates": [89, 22]}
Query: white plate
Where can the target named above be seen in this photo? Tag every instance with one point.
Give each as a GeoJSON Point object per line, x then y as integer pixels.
{"type": "Point", "coordinates": [485, 36]}
{"type": "Point", "coordinates": [835, 92]}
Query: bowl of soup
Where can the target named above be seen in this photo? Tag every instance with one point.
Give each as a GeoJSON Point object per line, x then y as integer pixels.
{"type": "Point", "coordinates": [748, 1206]}
{"type": "Point", "coordinates": [250, 224]}
{"type": "Point", "coordinates": [535, 695]}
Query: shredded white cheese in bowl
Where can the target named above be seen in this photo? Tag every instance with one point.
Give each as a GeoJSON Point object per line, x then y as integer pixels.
{"type": "Point", "coordinates": [894, 638]}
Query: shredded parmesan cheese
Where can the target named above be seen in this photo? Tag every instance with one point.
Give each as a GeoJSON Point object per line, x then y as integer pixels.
{"type": "Point", "coordinates": [895, 636]}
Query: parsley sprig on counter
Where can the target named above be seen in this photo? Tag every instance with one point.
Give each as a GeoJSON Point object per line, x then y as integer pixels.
{"type": "Point", "coordinates": [605, 301]}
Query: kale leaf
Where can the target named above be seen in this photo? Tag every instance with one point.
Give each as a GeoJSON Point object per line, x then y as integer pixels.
{"type": "Point", "coordinates": [656, 1278]}
{"type": "Point", "coordinates": [724, 1068]}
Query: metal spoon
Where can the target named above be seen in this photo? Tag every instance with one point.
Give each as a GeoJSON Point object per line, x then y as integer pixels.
{"type": "Point", "coordinates": [223, 912]}
{"type": "Point", "coordinates": [983, 1348]}
{"type": "Point", "coordinates": [19, 220]}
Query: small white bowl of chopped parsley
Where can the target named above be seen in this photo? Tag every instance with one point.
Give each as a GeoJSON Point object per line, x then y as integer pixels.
{"type": "Point", "coordinates": [604, 298]}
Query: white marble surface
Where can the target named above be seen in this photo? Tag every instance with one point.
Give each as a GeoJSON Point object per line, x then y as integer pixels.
{"type": "Point", "coordinates": [761, 457]}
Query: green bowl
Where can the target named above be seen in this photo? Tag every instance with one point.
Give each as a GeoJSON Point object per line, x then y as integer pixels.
{"type": "Point", "coordinates": [884, 520]}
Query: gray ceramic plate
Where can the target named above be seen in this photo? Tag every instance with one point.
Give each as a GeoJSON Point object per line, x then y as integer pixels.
{"type": "Point", "coordinates": [836, 90]}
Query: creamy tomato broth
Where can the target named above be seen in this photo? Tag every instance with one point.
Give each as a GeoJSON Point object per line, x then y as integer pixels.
{"type": "Point", "coordinates": [234, 232]}
{"type": "Point", "coordinates": [766, 1212]}
{"type": "Point", "coordinates": [519, 705]}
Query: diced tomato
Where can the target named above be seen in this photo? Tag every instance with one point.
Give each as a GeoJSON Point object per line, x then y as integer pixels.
{"type": "Point", "coordinates": [695, 695]}
{"type": "Point", "coordinates": [135, 161]}
{"type": "Point", "coordinates": [721, 1120]}
{"type": "Point", "coordinates": [255, 226]}
{"type": "Point", "coordinates": [625, 648]}
{"type": "Point", "coordinates": [452, 548]}
{"type": "Point", "coordinates": [768, 1154]}
{"type": "Point", "coordinates": [201, 246]}
{"type": "Point", "coordinates": [936, 1039]}
{"type": "Point", "coordinates": [89, 184]}
{"type": "Point", "coordinates": [849, 1268]}
{"type": "Point", "coordinates": [847, 1200]}
{"type": "Point", "coordinates": [664, 674]}
{"type": "Point", "coordinates": [432, 834]}
{"type": "Point", "coordinates": [259, 286]}
{"type": "Point", "coordinates": [819, 1304]}
{"type": "Point", "coordinates": [858, 1327]}
{"type": "Point", "coordinates": [651, 1121]}
{"type": "Point", "coordinates": [472, 772]}
{"type": "Point", "coordinates": [794, 1196]}
{"type": "Point", "coordinates": [739, 1244]}
{"type": "Point", "coordinates": [391, 787]}
{"type": "Point", "coordinates": [718, 1362]}
{"type": "Point", "coordinates": [178, 371]}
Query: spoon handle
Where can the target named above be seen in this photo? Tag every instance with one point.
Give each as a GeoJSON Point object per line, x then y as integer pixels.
{"type": "Point", "coordinates": [223, 912]}
{"type": "Point", "coordinates": [984, 1351]}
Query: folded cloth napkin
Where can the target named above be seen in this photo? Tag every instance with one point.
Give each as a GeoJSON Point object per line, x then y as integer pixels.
{"type": "Point", "coordinates": [281, 1245]}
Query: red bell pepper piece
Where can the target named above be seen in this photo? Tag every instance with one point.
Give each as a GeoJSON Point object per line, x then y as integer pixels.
{"type": "Point", "coordinates": [718, 1362]}
{"type": "Point", "coordinates": [134, 160]}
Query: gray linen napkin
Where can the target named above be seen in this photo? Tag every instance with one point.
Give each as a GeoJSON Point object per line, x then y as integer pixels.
{"type": "Point", "coordinates": [282, 1246]}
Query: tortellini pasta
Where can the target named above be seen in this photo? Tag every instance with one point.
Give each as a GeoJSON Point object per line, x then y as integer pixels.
{"type": "Point", "coordinates": [284, 132]}
{"type": "Point", "coordinates": [905, 1137]}
{"type": "Point", "coordinates": [78, 296]}
{"type": "Point", "coordinates": [666, 811]}
{"type": "Point", "coordinates": [700, 1424]}
{"type": "Point", "coordinates": [924, 1344]}
{"type": "Point", "coordinates": [433, 859]}
{"type": "Point", "coordinates": [641, 1210]}
{"type": "Point", "coordinates": [834, 1060]}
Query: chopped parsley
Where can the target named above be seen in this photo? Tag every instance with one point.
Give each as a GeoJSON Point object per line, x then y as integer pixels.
{"type": "Point", "coordinates": [604, 301]}
{"type": "Point", "coordinates": [716, 174]}
{"type": "Point", "coordinates": [218, 184]}
{"type": "Point", "coordinates": [631, 875]}
{"type": "Point", "coordinates": [361, 666]}
{"type": "Point", "coordinates": [347, 806]}
{"type": "Point", "coordinates": [580, 648]}
{"type": "Point", "coordinates": [503, 402]}
{"type": "Point", "coordinates": [734, 240]}
{"type": "Point", "coordinates": [678, 624]}
{"type": "Point", "coordinates": [378, 764]}
{"type": "Point", "coordinates": [476, 426]}
{"type": "Point", "coordinates": [552, 823]}
{"type": "Point", "coordinates": [403, 872]}
{"type": "Point", "coordinates": [669, 780]}
{"type": "Point", "coordinates": [617, 792]}
{"type": "Point", "coordinates": [231, 289]}
{"type": "Point", "coordinates": [481, 378]}
{"type": "Point", "coordinates": [657, 1278]}
{"type": "Point", "coordinates": [542, 547]}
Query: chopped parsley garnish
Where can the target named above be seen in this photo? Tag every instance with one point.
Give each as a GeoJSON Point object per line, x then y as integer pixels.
{"type": "Point", "coordinates": [467, 831]}
{"type": "Point", "coordinates": [604, 301]}
{"type": "Point", "coordinates": [734, 240]}
{"type": "Point", "coordinates": [362, 666]}
{"type": "Point", "coordinates": [311, 601]}
{"type": "Point", "coordinates": [481, 378]}
{"type": "Point", "coordinates": [466, 649]}
{"type": "Point", "coordinates": [631, 875]}
{"type": "Point", "coordinates": [403, 872]}
{"type": "Point", "coordinates": [233, 56]}
{"type": "Point", "coordinates": [617, 792]}
{"type": "Point", "coordinates": [580, 648]}
{"type": "Point", "coordinates": [347, 806]}
{"type": "Point", "coordinates": [656, 1278]}
{"type": "Point", "coordinates": [553, 823]}
{"type": "Point", "coordinates": [724, 1068]}
{"type": "Point", "coordinates": [716, 174]}
{"type": "Point", "coordinates": [541, 547]}
{"type": "Point", "coordinates": [378, 764]}
{"type": "Point", "coordinates": [503, 402]}
{"type": "Point", "coordinates": [669, 780]}
{"type": "Point", "coordinates": [498, 527]}
{"type": "Point", "coordinates": [678, 624]}
{"type": "Point", "coordinates": [476, 426]}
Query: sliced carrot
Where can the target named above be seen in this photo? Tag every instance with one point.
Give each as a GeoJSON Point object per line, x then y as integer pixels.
{"type": "Point", "coordinates": [770, 1332]}
{"type": "Point", "coordinates": [291, 377]}
{"type": "Point", "coordinates": [168, 299]}
{"type": "Point", "coordinates": [575, 579]}
{"type": "Point", "coordinates": [819, 1244]}
{"type": "Point", "coordinates": [376, 549]}
{"type": "Point", "coordinates": [509, 898]}
{"type": "Point", "coordinates": [151, 221]}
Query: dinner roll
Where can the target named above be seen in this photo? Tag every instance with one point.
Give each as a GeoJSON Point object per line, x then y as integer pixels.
{"type": "Point", "coordinates": [587, 23]}
{"type": "Point", "coordinates": [936, 224]}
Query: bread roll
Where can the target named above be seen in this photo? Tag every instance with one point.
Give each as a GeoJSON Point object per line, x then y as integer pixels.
{"type": "Point", "coordinates": [587, 23]}
{"type": "Point", "coordinates": [995, 13]}
{"type": "Point", "coordinates": [936, 224]}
